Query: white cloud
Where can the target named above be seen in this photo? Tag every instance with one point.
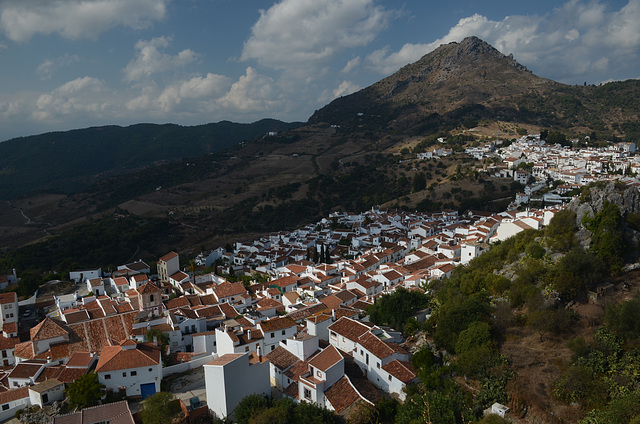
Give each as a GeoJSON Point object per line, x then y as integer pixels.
{"type": "Point", "coordinates": [49, 66]}
{"type": "Point", "coordinates": [75, 19]}
{"type": "Point", "coordinates": [304, 33]}
{"type": "Point", "coordinates": [79, 96]}
{"type": "Point", "coordinates": [252, 92]}
{"type": "Point", "coordinates": [577, 40]}
{"type": "Point", "coordinates": [149, 59]}
{"type": "Point", "coordinates": [351, 65]}
{"type": "Point", "coordinates": [345, 88]}
{"type": "Point", "coordinates": [193, 94]}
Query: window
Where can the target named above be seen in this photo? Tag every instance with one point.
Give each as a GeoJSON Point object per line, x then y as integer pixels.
{"type": "Point", "coordinates": [4, 353]}
{"type": "Point", "coordinates": [378, 365]}
{"type": "Point", "coordinates": [273, 335]}
{"type": "Point", "coordinates": [5, 406]}
{"type": "Point", "coordinates": [307, 393]}
{"type": "Point", "coordinates": [107, 376]}
{"type": "Point", "coordinates": [318, 373]}
{"type": "Point", "coordinates": [273, 347]}
{"type": "Point", "coordinates": [124, 374]}
{"type": "Point", "coordinates": [389, 377]}
{"type": "Point", "coordinates": [367, 359]}
{"type": "Point", "coordinates": [246, 349]}
{"type": "Point", "coordinates": [134, 373]}
{"type": "Point", "coordinates": [150, 369]}
{"type": "Point", "coordinates": [150, 298]}
{"type": "Point", "coordinates": [284, 332]}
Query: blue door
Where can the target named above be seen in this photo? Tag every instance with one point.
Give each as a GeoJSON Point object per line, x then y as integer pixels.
{"type": "Point", "coordinates": [147, 390]}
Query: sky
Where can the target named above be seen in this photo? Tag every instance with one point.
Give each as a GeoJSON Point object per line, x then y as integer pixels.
{"type": "Point", "coordinates": [67, 64]}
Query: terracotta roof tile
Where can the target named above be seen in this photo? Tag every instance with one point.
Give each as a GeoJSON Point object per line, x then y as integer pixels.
{"type": "Point", "coordinates": [275, 324]}
{"type": "Point", "coordinates": [8, 297]}
{"type": "Point", "coordinates": [342, 395]}
{"type": "Point", "coordinates": [14, 394]}
{"type": "Point", "coordinates": [114, 358]}
{"type": "Point", "coordinates": [401, 370]}
{"type": "Point", "coordinates": [48, 329]}
{"type": "Point", "coordinates": [326, 359]}
{"type": "Point", "coordinates": [281, 358]}
{"type": "Point", "coordinates": [349, 328]}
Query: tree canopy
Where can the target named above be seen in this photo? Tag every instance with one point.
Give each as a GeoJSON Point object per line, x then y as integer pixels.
{"type": "Point", "coordinates": [85, 391]}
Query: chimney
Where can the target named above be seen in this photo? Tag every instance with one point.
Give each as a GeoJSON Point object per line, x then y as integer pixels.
{"type": "Point", "coordinates": [259, 349]}
{"type": "Point", "coordinates": [155, 340]}
{"type": "Point", "coordinates": [333, 314]}
{"type": "Point", "coordinates": [249, 334]}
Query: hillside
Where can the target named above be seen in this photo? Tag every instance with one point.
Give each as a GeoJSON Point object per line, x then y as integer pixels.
{"type": "Point", "coordinates": [356, 152]}
{"type": "Point", "coordinates": [69, 161]}
{"type": "Point", "coordinates": [543, 322]}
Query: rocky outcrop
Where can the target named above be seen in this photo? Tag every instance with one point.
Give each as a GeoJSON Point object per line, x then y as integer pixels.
{"type": "Point", "coordinates": [626, 199]}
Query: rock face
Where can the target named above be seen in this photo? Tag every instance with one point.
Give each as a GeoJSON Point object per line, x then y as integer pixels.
{"type": "Point", "coordinates": [627, 200]}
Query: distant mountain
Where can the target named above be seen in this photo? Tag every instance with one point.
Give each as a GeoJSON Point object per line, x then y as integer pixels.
{"type": "Point", "coordinates": [71, 160]}
{"type": "Point", "coordinates": [471, 80]}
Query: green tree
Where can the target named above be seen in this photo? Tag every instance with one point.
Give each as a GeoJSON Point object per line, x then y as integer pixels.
{"type": "Point", "coordinates": [607, 242]}
{"type": "Point", "coordinates": [250, 405]}
{"type": "Point", "coordinates": [396, 308]}
{"type": "Point", "coordinates": [419, 182]}
{"type": "Point", "coordinates": [85, 391]}
{"type": "Point", "coordinates": [160, 408]}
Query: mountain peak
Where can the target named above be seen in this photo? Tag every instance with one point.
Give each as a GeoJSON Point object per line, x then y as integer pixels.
{"type": "Point", "coordinates": [471, 72]}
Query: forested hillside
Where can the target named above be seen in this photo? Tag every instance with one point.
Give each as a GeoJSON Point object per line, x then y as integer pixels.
{"type": "Point", "coordinates": [516, 325]}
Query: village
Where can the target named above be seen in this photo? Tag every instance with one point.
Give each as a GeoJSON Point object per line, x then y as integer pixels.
{"type": "Point", "coordinates": [297, 326]}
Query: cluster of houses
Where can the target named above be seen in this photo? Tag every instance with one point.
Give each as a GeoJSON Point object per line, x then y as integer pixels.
{"type": "Point", "coordinates": [575, 167]}
{"type": "Point", "coordinates": [300, 327]}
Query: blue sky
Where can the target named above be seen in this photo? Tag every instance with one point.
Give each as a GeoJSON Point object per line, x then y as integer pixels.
{"type": "Point", "coordinates": [68, 64]}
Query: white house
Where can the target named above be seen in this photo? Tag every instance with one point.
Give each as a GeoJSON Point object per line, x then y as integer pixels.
{"type": "Point", "coordinates": [230, 378]}
{"type": "Point", "coordinates": [135, 366]}
{"type": "Point", "coordinates": [12, 400]}
{"type": "Point", "coordinates": [82, 276]}
{"type": "Point", "coordinates": [46, 392]}
{"type": "Point", "coordinates": [8, 308]}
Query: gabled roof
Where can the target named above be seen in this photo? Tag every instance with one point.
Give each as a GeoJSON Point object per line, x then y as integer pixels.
{"type": "Point", "coordinates": [114, 358]}
{"type": "Point", "coordinates": [113, 413]}
{"type": "Point", "coordinates": [349, 328]}
{"type": "Point", "coordinates": [168, 256]}
{"type": "Point", "coordinates": [275, 324]}
{"type": "Point", "coordinates": [401, 370]}
{"type": "Point", "coordinates": [148, 288]}
{"type": "Point", "coordinates": [47, 329]}
{"type": "Point", "coordinates": [281, 358]}
{"type": "Point", "coordinates": [326, 359]}
{"type": "Point", "coordinates": [342, 395]}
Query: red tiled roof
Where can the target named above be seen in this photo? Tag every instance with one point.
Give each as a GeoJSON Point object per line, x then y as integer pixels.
{"type": "Point", "coordinates": [14, 394]}
{"type": "Point", "coordinates": [326, 359]}
{"type": "Point", "coordinates": [281, 358]}
{"type": "Point", "coordinates": [148, 288]}
{"type": "Point", "coordinates": [8, 342]}
{"type": "Point", "coordinates": [25, 370]}
{"type": "Point", "coordinates": [168, 256]}
{"type": "Point", "coordinates": [49, 372]}
{"type": "Point", "coordinates": [47, 329]}
{"type": "Point", "coordinates": [349, 328]}
{"type": "Point", "coordinates": [80, 359]}
{"type": "Point", "coordinates": [275, 324]}
{"type": "Point", "coordinates": [113, 413]}
{"type": "Point", "coordinates": [8, 297]}
{"type": "Point", "coordinates": [114, 358]}
{"type": "Point", "coordinates": [401, 370]}
{"type": "Point", "coordinates": [229, 289]}
{"type": "Point", "coordinates": [342, 395]}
